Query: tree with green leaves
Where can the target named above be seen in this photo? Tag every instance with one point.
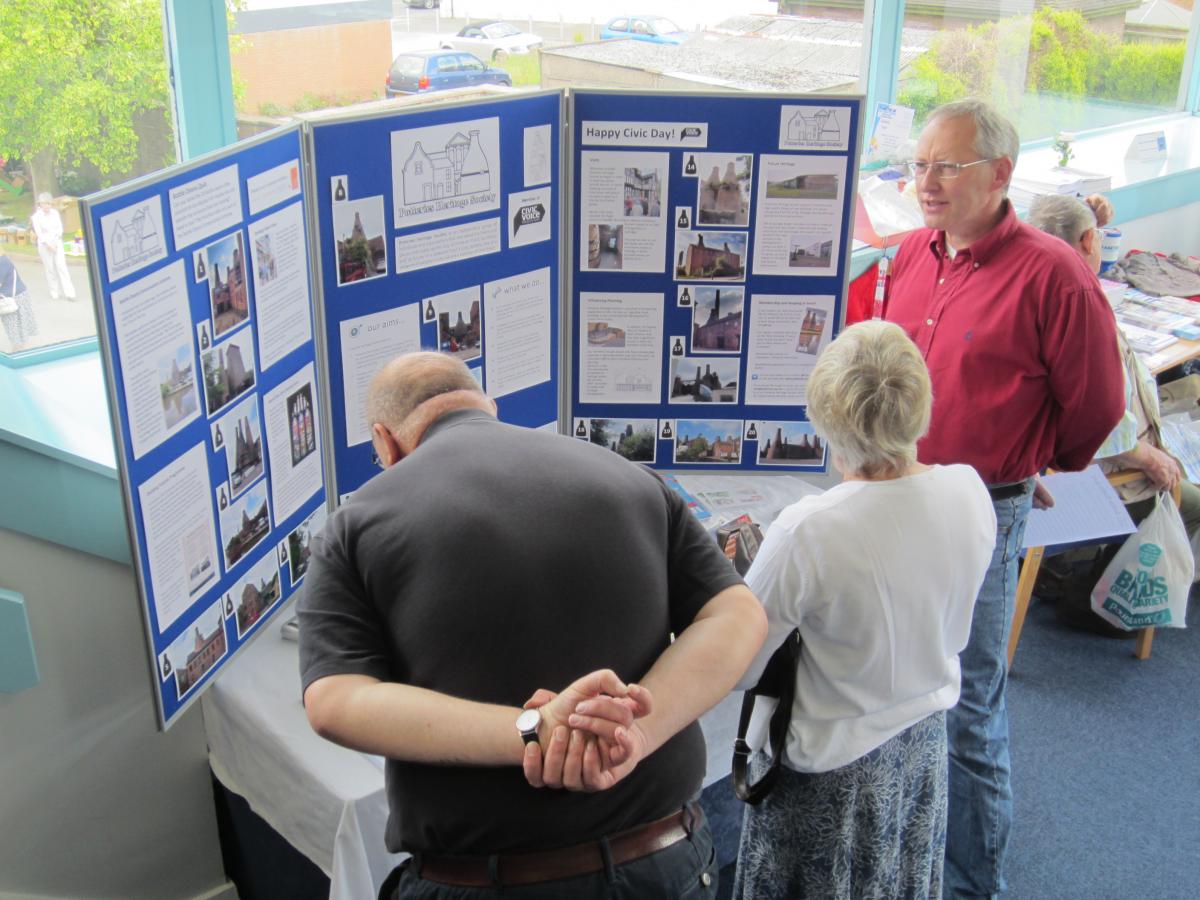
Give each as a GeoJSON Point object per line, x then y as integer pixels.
{"type": "Point", "coordinates": [78, 78]}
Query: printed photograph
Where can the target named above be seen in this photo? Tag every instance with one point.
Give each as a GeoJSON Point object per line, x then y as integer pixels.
{"type": "Point", "coordinates": [605, 246]}
{"type": "Point", "coordinates": [717, 320]}
{"type": "Point", "coordinates": [701, 380]}
{"type": "Point", "coordinates": [813, 186]}
{"type": "Point", "coordinates": [634, 439]}
{"type": "Point", "coordinates": [240, 432]}
{"type": "Point", "coordinates": [711, 255]}
{"type": "Point", "coordinates": [244, 523]}
{"type": "Point", "coordinates": [198, 559]}
{"type": "Point", "coordinates": [811, 329]}
{"type": "Point", "coordinates": [254, 594]}
{"type": "Point", "coordinates": [806, 253]}
{"type": "Point", "coordinates": [228, 370]}
{"type": "Point", "coordinates": [298, 544]}
{"type": "Point", "coordinates": [723, 194]}
{"type": "Point", "coordinates": [643, 192]}
{"type": "Point", "coordinates": [459, 332]}
{"type": "Point", "coordinates": [708, 441]}
{"type": "Point", "coordinates": [228, 291]}
{"type": "Point", "coordinates": [191, 655]}
{"type": "Point", "coordinates": [177, 385]}
{"type": "Point", "coordinates": [361, 247]}
{"type": "Point", "coordinates": [300, 423]}
{"type": "Point", "coordinates": [264, 259]}
{"type": "Point", "coordinates": [601, 334]}
{"type": "Point", "coordinates": [791, 443]}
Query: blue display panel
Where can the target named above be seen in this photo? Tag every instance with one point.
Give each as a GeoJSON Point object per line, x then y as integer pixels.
{"type": "Point", "coordinates": [711, 239]}
{"type": "Point", "coordinates": [205, 312]}
{"type": "Point", "coordinates": [438, 228]}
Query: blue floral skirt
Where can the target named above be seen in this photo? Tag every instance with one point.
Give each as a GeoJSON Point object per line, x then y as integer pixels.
{"type": "Point", "coordinates": [20, 326]}
{"type": "Point", "coordinates": [873, 828]}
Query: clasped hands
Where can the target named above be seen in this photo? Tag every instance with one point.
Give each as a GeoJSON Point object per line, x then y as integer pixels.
{"type": "Point", "coordinates": [590, 737]}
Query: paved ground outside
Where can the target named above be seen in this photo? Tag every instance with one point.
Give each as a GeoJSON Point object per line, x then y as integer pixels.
{"type": "Point", "coordinates": [57, 320]}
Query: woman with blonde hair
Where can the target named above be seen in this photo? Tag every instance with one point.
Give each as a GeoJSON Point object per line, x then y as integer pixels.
{"type": "Point", "coordinates": [880, 574]}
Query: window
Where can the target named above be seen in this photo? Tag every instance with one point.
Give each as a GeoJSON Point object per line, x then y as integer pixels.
{"type": "Point", "coordinates": [87, 110]}
{"type": "Point", "coordinates": [1069, 66]}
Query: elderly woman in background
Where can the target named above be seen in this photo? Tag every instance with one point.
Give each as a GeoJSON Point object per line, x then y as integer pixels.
{"type": "Point", "coordinates": [16, 308]}
{"type": "Point", "coordinates": [880, 575]}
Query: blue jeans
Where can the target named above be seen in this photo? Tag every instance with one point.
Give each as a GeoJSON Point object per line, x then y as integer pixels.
{"type": "Point", "coordinates": [687, 870]}
{"type": "Point", "coordinates": [980, 810]}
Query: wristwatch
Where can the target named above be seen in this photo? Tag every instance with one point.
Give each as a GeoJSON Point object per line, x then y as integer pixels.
{"type": "Point", "coordinates": [528, 723]}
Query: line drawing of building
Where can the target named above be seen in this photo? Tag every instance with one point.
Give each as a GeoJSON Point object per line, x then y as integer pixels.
{"type": "Point", "coordinates": [816, 125]}
{"type": "Point", "coordinates": [130, 239]}
{"type": "Point", "coordinates": [460, 168]}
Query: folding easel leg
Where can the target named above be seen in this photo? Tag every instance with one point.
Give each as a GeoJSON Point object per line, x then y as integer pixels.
{"type": "Point", "coordinates": [1029, 573]}
{"type": "Point", "coordinates": [1141, 646]}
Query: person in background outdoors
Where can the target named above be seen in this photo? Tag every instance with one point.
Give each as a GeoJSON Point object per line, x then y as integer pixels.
{"type": "Point", "coordinates": [880, 575]}
{"type": "Point", "coordinates": [48, 229]}
{"type": "Point", "coordinates": [1136, 442]}
{"type": "Point", "coordinates": [16, 309]}
{"type": "Point", "coordinates": [1013, 327]}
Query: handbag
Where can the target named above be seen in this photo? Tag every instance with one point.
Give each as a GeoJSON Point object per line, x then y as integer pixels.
{"type": "Point", "coordinates": [778, 682]}
{"type": "Point", "coordinates": [8, 303]}
{"type": "Point", "coordinates": [1147, 583]}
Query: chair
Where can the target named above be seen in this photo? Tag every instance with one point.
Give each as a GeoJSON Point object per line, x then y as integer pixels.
{"type": "Point", "coordinates": [1029, 573]}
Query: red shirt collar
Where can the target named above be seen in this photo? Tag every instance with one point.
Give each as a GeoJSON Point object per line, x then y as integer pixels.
{"type": "Point", "coordinates": [984, 248]}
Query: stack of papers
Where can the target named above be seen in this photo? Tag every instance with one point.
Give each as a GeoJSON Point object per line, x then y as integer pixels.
{"type": "Point", "coordinates": [1028, 184]}
{"type": "Point", "coordinates": [1180, 306]}
{"type": "Point", "coordinates": [1143, 340]}
{"type": "Point", "coordinates": [1153, 317]}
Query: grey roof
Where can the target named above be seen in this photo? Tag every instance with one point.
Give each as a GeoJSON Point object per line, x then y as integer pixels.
{"type": "Point", "coordinates": [755, 53]}
{"type": "Point", "coordinates": [1160, 14]}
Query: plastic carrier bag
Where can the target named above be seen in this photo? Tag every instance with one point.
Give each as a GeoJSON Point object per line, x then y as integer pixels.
{"type": "Point", "coordinates": [1147, 583]}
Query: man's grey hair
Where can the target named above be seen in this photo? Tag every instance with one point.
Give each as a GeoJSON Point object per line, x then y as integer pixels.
{"type": "Point", "coordinates": [994, 134]}
{"type": "Point", "coordinates": [869, 397]}
{"type": "Point", "coordinates": [410, 380]}
{"type": "Point", "coordinates": [1063, 216]}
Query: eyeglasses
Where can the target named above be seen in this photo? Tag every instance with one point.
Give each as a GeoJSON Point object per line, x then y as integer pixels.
{"type": "Point", "coordinates": [943, 170]}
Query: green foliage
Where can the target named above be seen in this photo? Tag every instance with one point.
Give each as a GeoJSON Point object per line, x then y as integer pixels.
{"type": "Point", "coordinates": [76, 76]}
{"type": "Point", "coordinates": [1051, 52]}
{"type": "Point", "coordinates": [525, 68]}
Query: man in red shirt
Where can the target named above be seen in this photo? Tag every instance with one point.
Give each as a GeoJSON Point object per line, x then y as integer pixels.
{"type": "Point", "coordinates": [1011, 324]}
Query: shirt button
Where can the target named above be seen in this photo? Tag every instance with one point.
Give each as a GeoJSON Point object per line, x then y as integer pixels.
{"type": "Point", "coordinates": [929, 321]}
{"type": "Point", "coordinates": [705, 879]}
{"type": "Point", "coordinates": [941, 281]}
{"type": "Point", "coordinates": [976, 265]}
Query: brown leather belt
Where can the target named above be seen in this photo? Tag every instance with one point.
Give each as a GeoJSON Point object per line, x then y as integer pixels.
{"type": "Point", "coordinates": [566, 862]}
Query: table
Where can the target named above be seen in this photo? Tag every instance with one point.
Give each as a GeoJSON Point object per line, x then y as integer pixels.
{"type": "Point", "coordinates": [1175, 355]}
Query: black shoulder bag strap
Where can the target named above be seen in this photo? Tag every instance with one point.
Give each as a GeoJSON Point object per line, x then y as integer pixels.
{"type": "Point", "coordinates": [778, 681]}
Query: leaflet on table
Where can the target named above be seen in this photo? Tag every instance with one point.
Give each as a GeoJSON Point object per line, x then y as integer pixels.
{"type": "Point", "coordinates": [620, 340]}
{"type": "Point", "coordinates": [624, 210]}
{"type": "Point", "coordinates": [517, 332]}
{"type": "Point", "coordinates": [204, 206]}
{"type": "Point", "coordinates": [293, 441]}
{"type": "Point", "coordinates": [1182, 440]}
{"type": "Point", "coordinates": [634, 439]}
{"type": "Point", "coordinates": [445, 171]}
{"type": "Point", "coordinates": [281, 297]}
{"type": "Point", "coordinates": [367, 343]}
{"type": "Point", "coordinates": [787, 333]}
{"type": "Point", "coordinates": [181, 543]}
{"type": "Point", "coordinates": [154, 337]}
{"type": "Point", "coordinates": [798, 219]}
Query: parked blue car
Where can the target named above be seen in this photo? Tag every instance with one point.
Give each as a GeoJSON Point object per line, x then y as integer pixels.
{"type": "Point", "coordinates": [655, 29]}
{"type": "Point", "coordinates": [439, 70]}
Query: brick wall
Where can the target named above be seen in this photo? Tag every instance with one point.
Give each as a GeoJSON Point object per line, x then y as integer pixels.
{"type": "Point", "coordinates": [348, 61]}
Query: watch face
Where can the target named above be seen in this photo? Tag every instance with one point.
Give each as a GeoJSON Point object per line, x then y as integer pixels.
{"type": "Point", "coordinates": [529, 720]}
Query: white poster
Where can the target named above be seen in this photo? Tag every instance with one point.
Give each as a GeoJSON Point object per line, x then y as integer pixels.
{"type": "Point", "coordinates": [798, 217]}
{"type": "Point", "coordinates": [814, 127]}
{"type": "Point", "coordinates": [133, 237]}
{"type": "Point", "coordinates": [293, 442]}
{"type": "Point", "coordinates": [445, 171]}
{"type": "Point", "coordinates": [423, 249]}
{"type": "Point", "coordinates": [368, 342]}
{"type": "Point", "coordinates": [273, 186]}
{"type": "Point", "coordinates": [787, 333]}
{"type": "Point", "coordinates": [537, 151]}
{"type": "Point", "coordinates": [620, 341]}
{"type": "Point", "coordinates": [624, 211]}
{"type": "Point", "coordinates": [157, 359]}
{"type": "Point", "coordinates": [529, 217]}
{"type": "Point", "coordinates": [517, 329]}
{"type": "Point", "coordinates": [202, 207]}
{"type": "Point", "coordinates": [181, 543]}
{"type": "Point", "coordinates": [280, 265]}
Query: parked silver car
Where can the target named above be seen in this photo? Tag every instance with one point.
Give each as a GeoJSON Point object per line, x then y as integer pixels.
{"type": "Point", "coordinates": [492, 40]}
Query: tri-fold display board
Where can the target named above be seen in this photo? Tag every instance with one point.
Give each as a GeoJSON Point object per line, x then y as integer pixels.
{"type": "Point", "coordinates": [662, 289]}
